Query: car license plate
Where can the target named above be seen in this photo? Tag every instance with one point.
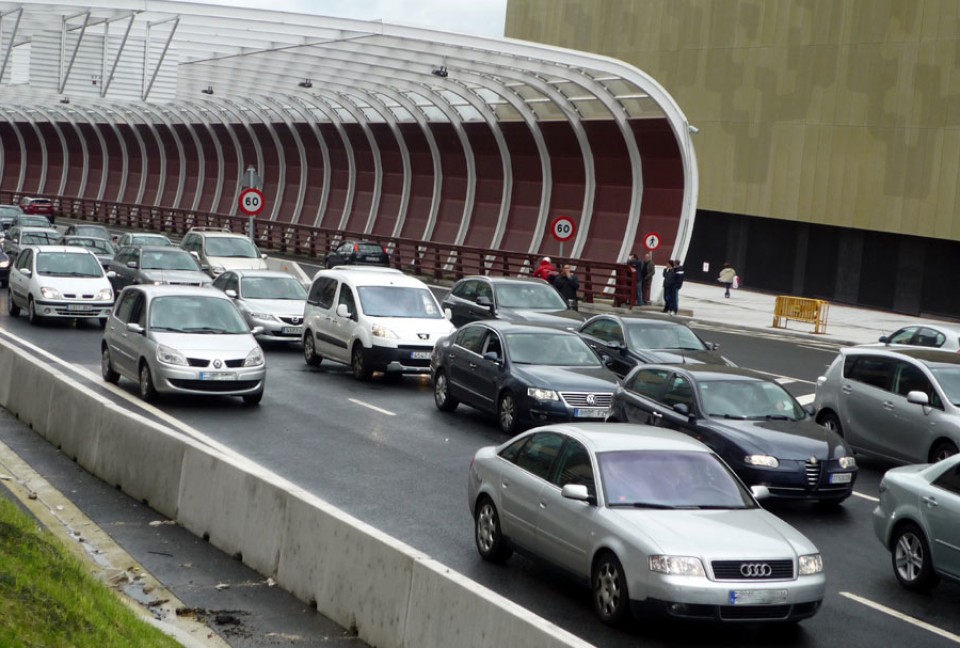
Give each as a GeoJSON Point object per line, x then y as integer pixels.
{"type": "Point", "coordinates": [420, 355]}
{"type": "Point", "coordinates": [77, 307]}
{"type": "Point", "coordinates": [591, 412]}
{"type": "Point", "coordinates": [217, 375]}
{"type": "Point", "coordinates": [373, 257]}
{"type": "Point", "coordinates": [291, 330]}
{"type": "Point", "coordinates": [758, 597]}
{"type": "Point", "coordinates": [841, 478]}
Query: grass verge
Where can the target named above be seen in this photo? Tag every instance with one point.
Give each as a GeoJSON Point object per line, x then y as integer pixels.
{"type": "Point", "coordinates": [48, 597]}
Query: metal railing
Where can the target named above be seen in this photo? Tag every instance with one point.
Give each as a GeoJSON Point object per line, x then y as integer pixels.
{"type": "Point", "coordinates": [598, 279]}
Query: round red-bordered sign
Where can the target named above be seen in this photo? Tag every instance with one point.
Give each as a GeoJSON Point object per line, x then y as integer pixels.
{"type": "Point", "coordinates": [651, 241]}
{"type": "Point", "coordinates": [251, 201]}
{"type": "Point", "coordinates": [563, 228]}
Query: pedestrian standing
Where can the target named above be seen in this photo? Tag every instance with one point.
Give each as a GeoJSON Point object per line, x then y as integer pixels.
{"type": "Point", "coordinates": [649, 269]}
{"type": "Point", "coordinates": [568, 286]}
{"type": "Point", "coordinates": [546, 270]}
{"type": "Point", "coordinates": [727, 274]}
{"type": "Point", "coordinates": [637, 267]}
{"type": "Point", "coordinates": [677, 284]}
{"type": "Point", "coordinates": [668, 282]}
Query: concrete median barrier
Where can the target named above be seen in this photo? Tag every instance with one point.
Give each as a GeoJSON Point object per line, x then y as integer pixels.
{"type": "Point", "coordinates": [74, 422]}
{"type": "Point", "coordinates": [30, 387]}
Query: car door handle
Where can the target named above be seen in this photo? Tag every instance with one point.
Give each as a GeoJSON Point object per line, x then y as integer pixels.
{"type": "Point", "coordinates": [887, 405]}
{"type": "Point", "coordinates": [656, 414]}
{"type": "Point", "coordinates": [846, 389]}
{"type": "Point", "coordinates": [543, 504]}
{"type": "Point", "coordinates": [930, 501]}
{"type": "Point", "coordinates": [473, 365]}
{"type": "Point", "coordinates": [504, 483]}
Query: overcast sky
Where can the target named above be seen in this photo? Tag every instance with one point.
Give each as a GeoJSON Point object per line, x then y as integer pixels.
{"type": "Point", "coordinates": [483, 17]}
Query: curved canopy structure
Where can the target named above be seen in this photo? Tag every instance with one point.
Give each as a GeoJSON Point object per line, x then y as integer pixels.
{"type": "Point", "coordinates": [354, 125]}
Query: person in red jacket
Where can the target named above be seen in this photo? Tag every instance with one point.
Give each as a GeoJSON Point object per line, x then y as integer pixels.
{"type": "Point", "coordinates": [546, 270]}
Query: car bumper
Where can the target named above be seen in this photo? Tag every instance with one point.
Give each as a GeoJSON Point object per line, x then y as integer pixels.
{"type": "Point", "coordinates": [225, 382]}
{"type": "Point", "coordinates": [675, 596]}
{"type": "Point", "coordinates": [405, 358]}
{"type": "Point", "coordinates": [74, 309]}
{"type": "Point", "coordinates": [544, 412]}
{"type": "Point", "coordinates": [792, 483]}
{"type": "Point", "coordinates": [278, 331]}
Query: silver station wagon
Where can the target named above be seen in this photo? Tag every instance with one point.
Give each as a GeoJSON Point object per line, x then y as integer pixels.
{"type": "Point", "coordinates": [182, 339]}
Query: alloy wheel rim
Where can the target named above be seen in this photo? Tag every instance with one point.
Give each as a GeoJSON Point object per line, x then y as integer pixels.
{"type": "Point", "coordinates": [308, 350]}
{"type": "Point", "coordinates": [144, 381]}
{"type": "Point", "coordinates": [608, 590]}
{"type": "Point", "coordinates": [909, 557]}
{"type": "Point", "coordinates": [441, 390]}
{"type": "Point", "coordinates": [486, 528]}
{"type": "Point", "coordinates": [943, 454]}
{"type": "Point", "coordinates": [506, 412]}
{"type": "Point", "coordinates": [104, 362]}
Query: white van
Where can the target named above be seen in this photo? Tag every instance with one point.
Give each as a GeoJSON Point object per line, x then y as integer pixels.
{"type": "Point", "coordinates": [373, 319]}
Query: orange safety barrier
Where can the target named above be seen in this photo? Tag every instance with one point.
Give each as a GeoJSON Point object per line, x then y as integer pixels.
{"type": "Point", "coordinates": [801, 309]}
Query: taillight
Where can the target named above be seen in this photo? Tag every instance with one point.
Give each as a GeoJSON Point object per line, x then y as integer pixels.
{"type": "Point", "coordinates": [356, 248]}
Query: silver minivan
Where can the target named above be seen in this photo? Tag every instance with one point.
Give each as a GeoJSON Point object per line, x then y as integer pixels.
{"type": "Point", "coordinates": [901, 404]}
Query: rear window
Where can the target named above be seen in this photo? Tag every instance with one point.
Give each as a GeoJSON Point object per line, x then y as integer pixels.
{"type": "Point", "coordinates": [369, 248]}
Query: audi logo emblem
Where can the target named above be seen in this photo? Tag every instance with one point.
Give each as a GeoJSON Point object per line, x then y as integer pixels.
{"type": "Point", "coordinates": [756, 570]}
{"type": "Point", "coordinates": [591, 399]}
{"type": "Point", "coordinates": [217, 364]}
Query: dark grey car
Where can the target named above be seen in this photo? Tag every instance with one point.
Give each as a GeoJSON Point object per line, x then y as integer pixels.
{"type": "Point", "coordinates": [156, 265]}
{"type": "Point", "coordinates": [513, 299]}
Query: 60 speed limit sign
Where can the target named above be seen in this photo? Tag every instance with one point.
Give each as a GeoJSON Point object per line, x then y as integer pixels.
{"type": "Point", "coordinates": [563, 228]}
{"type": "Point", "coordinates": [251, 201]}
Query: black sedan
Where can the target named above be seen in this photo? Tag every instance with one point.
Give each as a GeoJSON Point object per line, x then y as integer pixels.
{"type": "Point", "coordinates": [353, 252]}
{"type": "Point", "coordinates": [513, 299]}
{"type": "Point", "coordinates": [524, 374]}
{"type": "Point", "coordinates": [4, 269]}
{"type": "Point", "coordinates": [752, 422]}
{"type": "Point", "coordinates": [629, 341]}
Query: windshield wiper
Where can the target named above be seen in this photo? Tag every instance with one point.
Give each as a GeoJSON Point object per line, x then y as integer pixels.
{"type": "Point", "coordinates": [770, 417]}
{"type": "Point", "coordinates": [203, 330]}
{"type": "Point", "coordinates": [644, 505]}
{"type": "Point", "coordinates": [166, 328]}
{"type": "Point", "coordinates": [733, 417]}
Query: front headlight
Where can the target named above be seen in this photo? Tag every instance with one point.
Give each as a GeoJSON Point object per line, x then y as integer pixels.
{"type": "Point", "coordinates": [4, 263]}
{"type": "Point", "coordinates": [50, 293]}
{"type": "Point", "coordinates": [677, 565]}
{"type": "Point", "coordinates": [105, 294]}
{"type": "Point", "coordinates": [848, 462]}
{"type": "Point", "coordinates": [764, 461]}
{"type": "Point", "coordinates": [171, 356]}
{"type": "Point", "coordinates": [267, 317]}
{"type": "Point", "coordinates": [382, 332]}
{"type": "Point", "coordinates": [811, 564]}
{"type": "Point", "coordinates": [541, 394]}
{"type": "Point", "coordinates": [254, 358]}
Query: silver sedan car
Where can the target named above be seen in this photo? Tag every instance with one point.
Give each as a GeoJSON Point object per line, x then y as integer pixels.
{"type": "Point", "coordinates": [652, 519]}
{"type": "Point", "coordinates": [269, 299]}
{"type": "Point", "coordinates": [182, 339]}
{"type": "Point", "coordinates": [918, 521]}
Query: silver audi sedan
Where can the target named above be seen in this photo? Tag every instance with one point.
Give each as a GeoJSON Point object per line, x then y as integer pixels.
{"type": "Point", "coordinates": [651, 518]}
{"type": "Point", "coordinates": [182, 339]}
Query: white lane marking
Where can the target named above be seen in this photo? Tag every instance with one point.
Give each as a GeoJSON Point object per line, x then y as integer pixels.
{"type": "Point", "coordinates": [373, 407]}
{"type": "Point", "coordinates": [784, 381]}
{"type": "Point", "coordinates": [779, 377]}
{"type": "Point", "coordinates": [806, 399]}
{"type": "Point", "coordinates": [866, 497]}
{"type": "Point", "coordinates": [903, 617]}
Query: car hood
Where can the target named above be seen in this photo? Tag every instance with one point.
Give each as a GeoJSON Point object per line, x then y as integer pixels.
{"type": "Point", "coordinates": [783, 439]}
{"type": "Point", "coordinates": [553, 319]}
{"type": "Point", "coordinates": [750, 534]}
{"type": "Point", "coordinates": [234, 345]}
{"type": "Point", "coordinates": [594, 379]}
{"type": "Point", "coordinates": [410, 330]}
{"type": "Point", "coordinates": [238, 263]}
{"type": "Point", "coordinates": [285, 307]}
{"type": "Point", "coordinates": [75, 284]}
{"type": "Point", "coordinates": [177, 276]}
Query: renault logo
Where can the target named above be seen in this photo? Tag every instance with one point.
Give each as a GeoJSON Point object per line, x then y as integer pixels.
{"type": "Point", "coordinates": [756, 570]}
{"type": "Point", "coordinates": [217, 364]}
{"type": "Point", "coordinates": [423, 336]}
{"type": "Point", "coordinates": [295, 320]}
{"type": "Point", "coordinates": [591, 399]}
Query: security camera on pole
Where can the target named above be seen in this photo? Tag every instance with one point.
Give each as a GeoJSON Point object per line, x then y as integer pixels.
{"type": "Point", "coordinates": [251, 198]}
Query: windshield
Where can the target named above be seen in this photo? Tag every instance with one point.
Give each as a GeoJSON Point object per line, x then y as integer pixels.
{"type": "Point", "coordinates": [662, 336]}
{"type": "Point", "coordinates": [550, 348]}
{"type": "Point", "coordinates": [272, 288]}
{"type": "Point", "coordinates": [168, 260]}
{"type": "Point", "coordinates": [149, 239]}
{"type": "Point", "coordinates": [949, 378]}
{"type": "Point", "coordinates": [34, 221]}
{"type": "Point", "coordinates": [92, 230]}
{"type": "Point", "coordinates": [39, 238]}
{"type": "Point", "coordinates": [231, 246]}
{"type": "Point", "coordinates": [669, 479]}
{"type": "Point", "coordinates": [396, 301]}
{"type": "Point", "coordinates": [65, 264]}
{"type": "Point", "coordinates": [529, 296]}
{"type": "Point", "coordinates": [10, 210]}
{"type": "Point", "coordinates": [748, 399]}
{"type": "Point", "coordinates": [95, 245]}
{"type": "Point", "coordinates": [196, 314]}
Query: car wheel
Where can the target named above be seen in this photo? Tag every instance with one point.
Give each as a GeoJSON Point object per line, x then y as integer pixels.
{"type": "Point", "coordinates": [253, 399]}
{"type": "Point", "coordinates": [147, 391]}
{"type": "Point", "coordinates": [12, 307]}
{"type": "Point", "coordinates": [488, 534]}
{"type": "Point", "coordinates": [507, 412]}
{"type": "Point", "coordinates": [830, 421]}
{"type": "Point", "coordinates": [106, 369]}
{"type": "Point", "coordinates": [441, 393]}
{"type": "Point", "coordinates": [32, 316]}
{"type": "Point", "coordinates": [610, 597]}
{"type": "Point", "coordinates": [358, 362]}
{"type": "Point", "coordinates": [310, 350]}
{"type": "Point", "coordinates": [911, 558]}
{"type": "Point", "coordinates": [942, 450]}
{"type": "Point", "coordinates": [103, 322]}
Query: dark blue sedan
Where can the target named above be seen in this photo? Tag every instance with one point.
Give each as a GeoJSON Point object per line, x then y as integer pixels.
{"type": "Point", "coordinates": [526, 375]}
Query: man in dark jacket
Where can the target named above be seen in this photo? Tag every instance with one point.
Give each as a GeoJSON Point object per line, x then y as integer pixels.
{"type": "Point", "coordinates": [669, 281]}
{"type": "Point", "coordinates": [677, 284]}
{"type": "Point", "coordinates": [568, 286]}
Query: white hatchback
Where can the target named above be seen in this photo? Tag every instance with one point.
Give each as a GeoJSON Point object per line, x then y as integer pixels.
{"type": "Point", "coordinates": [373, 319]}
{"type": "Point", "coordinates": [59, 281]}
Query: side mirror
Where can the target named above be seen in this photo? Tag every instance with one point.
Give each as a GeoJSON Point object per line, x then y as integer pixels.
{"type": "Point", "coordinates": [714, 346]}
{"type": "Point", "coordinates": [230, 292]}
{"type": "Point", "coordinates": [448, 314]}
{"type": "Point", "coordinates": [577, 492]}
{"type": "Point", "coordinates": [27, 272]}
{"type": "Point", "coordinates": [343, 310]}
{"type": "Point", "coordinates": [682, 408]}
{"type": "Point", "coordinates": [257, 330]}
{"type": "Point", "coordinates": [195, 255]}
{"type": "Point", "coordinates": [484, 301]}
{"type": "Point", "coordinates": [263, 255]}
{"type": "Point", "coordinates": [613, 345]}
{"type": "Point", "coordinates": [492, 356]}
{"type": "Point", "coordinates": [884, 339]}
{"type": "Point", "coordinates": [133, 264]}
{"type": "Point", "coordinates": [760, 492]}
{"type": "Point", "coordinates": [810, 409]}
{"type": "Point", "coordinates": [111, 274]}
{"type": "Point", "coordinates": [133, 327]}
{"type": "Point", "coordinates": [918, 398]}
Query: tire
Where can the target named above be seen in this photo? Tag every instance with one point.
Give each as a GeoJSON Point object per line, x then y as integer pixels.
{"type": "Point", "coordinates": [830, 421]}
{"type": "Point", "coordinates": [507, 417]}
{"type": "Point", "coordinates": [942, 450]}
{"type": "Point", "coordinates": [441, 393]}
{"type": "Point", "coordinates": [358, 363]}
{"type": "Point", "coordinates": [12, 307]}
{"type": "Point", "coordinates": [910, 556]}
{"type": "Point", "coordinates": [106, 368]}
{"type": "Point", "coordinates": [253, 399]}
{"type": "Point", "coordinates": [147, 391]}
{"type": "Point", "coordinates": [310, 350]}
{"type": "Point", "coordinates": [32, 316]}
{"type": "Point", "coordinates": [103, 322]}
{"type": "Point", "coordinates": [611, 600]}
{"type": "Point", "coordinates": [487, 532]}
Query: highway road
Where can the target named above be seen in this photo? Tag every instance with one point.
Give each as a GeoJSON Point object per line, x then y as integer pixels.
{"type": "Point", "coordinates": [383, 452]}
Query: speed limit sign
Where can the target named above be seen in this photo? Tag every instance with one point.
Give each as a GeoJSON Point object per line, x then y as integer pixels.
{"type": "Point", "coordinates": [251, 201]}
{"type": "Point", "coordinates": [563, 228]}
{"type": "Point", "coordinates": [651, 241]}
